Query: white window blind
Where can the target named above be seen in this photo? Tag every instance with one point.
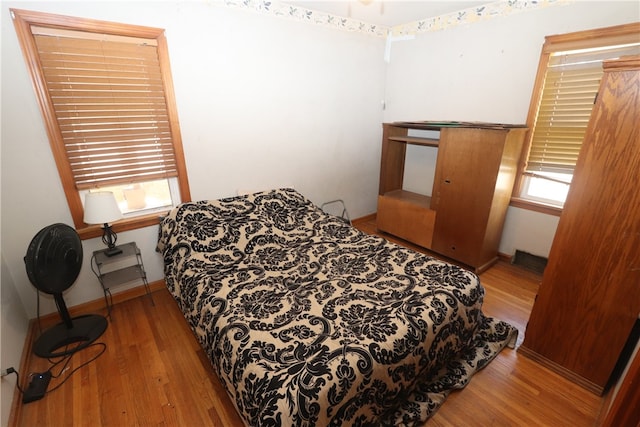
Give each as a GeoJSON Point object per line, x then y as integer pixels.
{"type": "Point", "coordinates": [569, 90]}
{"type": "Point", "coordinates": [108, 96]}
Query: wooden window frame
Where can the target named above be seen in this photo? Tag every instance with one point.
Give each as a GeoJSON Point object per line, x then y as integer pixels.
{"type": "Point", "coordinates": [23, 20]}
{"type": "Point", "coordinates": [557, 43]}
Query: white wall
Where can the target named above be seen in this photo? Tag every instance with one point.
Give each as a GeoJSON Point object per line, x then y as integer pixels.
{"type": "Point", "coordinates": [485, 71]}
{"type": "Point", "coordinates": [13, 329]}
{"type": "Point", "coordinates": [262, 102]}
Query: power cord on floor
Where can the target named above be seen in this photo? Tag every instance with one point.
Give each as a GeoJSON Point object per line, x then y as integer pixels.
{"type": "Point", "coordinates": [39, 381]}
{"type": "Point", "coordinates": [64, 368]}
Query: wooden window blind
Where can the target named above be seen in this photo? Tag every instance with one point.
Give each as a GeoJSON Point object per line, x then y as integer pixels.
{"type": "Point", "coordinates": [106, 95]}
{"type": "Point", "coordinates": [108, 98]}
{"type": "Point", "coordinates": [569, 89]}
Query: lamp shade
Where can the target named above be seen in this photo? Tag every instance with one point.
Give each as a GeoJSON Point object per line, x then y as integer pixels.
{"type": "Point", "coordinates": [100, 207]}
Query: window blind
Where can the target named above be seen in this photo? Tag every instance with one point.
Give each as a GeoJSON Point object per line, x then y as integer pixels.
{"type": "Point", "coordinates": [569, 90]}
{"type": "Point", "coordinates": [109, 101]}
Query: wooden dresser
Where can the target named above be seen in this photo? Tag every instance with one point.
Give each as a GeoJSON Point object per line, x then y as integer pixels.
{"type": "Point", "coordinates": [475, 170]}
{"type": "Point", "coordinates": [589, 299]}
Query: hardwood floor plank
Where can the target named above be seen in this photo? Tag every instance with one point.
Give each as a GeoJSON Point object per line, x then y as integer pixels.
{"type": "Point", "coordinates": [154, 372]}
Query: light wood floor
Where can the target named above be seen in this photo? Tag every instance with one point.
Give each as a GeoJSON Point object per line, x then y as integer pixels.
{"type": "Point", "coordinates": [153, 372]}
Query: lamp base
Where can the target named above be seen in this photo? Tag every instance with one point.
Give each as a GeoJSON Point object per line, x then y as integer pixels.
{"type": "Point", "coordinates": [112, 251]}
{"type": "Point", "coordinates": [109, 238]}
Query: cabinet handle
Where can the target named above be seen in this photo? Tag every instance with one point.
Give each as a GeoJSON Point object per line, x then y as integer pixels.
{"type": "Point", "coordinates": [447, 181]}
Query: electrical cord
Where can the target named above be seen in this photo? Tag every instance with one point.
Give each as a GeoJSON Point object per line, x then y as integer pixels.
{"type": "Point", "coordinates": [13, 371]}
{"type": "Point", "coordinates": [64, 368]}
{"type": "Point", "coordinates": [66, 359]}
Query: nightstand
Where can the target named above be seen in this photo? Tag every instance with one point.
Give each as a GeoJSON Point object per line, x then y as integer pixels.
{"type": "Point", "coordinates": [118, 269]}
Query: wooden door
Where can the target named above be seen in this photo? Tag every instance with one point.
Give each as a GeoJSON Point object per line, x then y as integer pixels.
{"type": "Point", "coordinates": [590, 295]}
{"type": "Point", "coordinates": [463, 190]}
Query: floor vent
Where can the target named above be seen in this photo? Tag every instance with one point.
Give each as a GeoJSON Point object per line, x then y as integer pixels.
{"type": "Point", "coordinates": [529, 261]}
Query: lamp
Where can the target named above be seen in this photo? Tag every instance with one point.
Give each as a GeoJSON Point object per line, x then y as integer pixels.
{"type": "Point", "coordinates": [100, 207]}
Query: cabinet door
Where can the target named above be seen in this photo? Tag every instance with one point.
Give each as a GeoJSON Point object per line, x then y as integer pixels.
{"type": "Point", "coordinates": [589, 299]}
{"type": "Point", "coordinates": [463, 191]}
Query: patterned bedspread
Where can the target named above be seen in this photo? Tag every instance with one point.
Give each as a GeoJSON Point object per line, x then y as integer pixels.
{"type": "Point", "coordinates": [310, 322]}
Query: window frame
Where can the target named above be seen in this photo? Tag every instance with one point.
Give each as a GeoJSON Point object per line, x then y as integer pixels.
{"type": "Point", "coordinates": [557, 43]}
{"type": "Point", "coordinates": [23, 20]}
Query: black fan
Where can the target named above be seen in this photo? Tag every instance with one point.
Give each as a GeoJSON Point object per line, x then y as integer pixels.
{"type": "Point", "coordinates": [53, 262]}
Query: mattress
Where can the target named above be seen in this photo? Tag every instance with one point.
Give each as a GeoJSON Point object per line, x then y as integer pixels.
{"type": "Point", "coordinates": [309, 322]}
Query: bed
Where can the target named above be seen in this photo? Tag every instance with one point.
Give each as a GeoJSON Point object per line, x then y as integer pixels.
{"type": "Point", "coordinates": [309, 322]}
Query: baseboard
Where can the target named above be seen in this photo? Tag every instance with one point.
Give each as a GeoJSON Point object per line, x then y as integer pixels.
{"type": "Point", "coordinates": [487, 265]}
{"type": "Point", "coordinates": [505, 257]}
{"type": "Point", "coordinates": [365, 218]}
{"type": "Point", "coordinates": [99, 304]}
{"type": "Point", "coordinates": [561, 370]}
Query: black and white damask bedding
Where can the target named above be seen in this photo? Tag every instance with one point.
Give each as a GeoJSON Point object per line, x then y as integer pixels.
{"type": "Point", "coordinates": [310, 322]}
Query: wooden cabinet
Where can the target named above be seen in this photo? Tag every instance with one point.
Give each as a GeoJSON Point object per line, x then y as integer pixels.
{"type": "Point", "coordinates": [475, 170]}
{"type": "Point", "coordinates": [589, 298]}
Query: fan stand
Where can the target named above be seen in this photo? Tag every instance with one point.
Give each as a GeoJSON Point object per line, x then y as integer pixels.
{"type": "Point", "coordinates": [81, 330]}
{"type": "Point", "coordinates": [53, 262]}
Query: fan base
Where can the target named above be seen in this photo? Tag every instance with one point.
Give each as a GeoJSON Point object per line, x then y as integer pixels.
{"type": "Point", "coordinates": [84, 331]}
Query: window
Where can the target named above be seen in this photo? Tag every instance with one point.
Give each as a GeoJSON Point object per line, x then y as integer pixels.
{"type": "Point", "coordinates": [566, 86]}
{"type": "Point", "coordinates": [106, 94]}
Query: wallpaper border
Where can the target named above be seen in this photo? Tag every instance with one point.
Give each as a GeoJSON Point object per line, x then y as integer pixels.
{"type": "Point", "coordinates": [466, 16]}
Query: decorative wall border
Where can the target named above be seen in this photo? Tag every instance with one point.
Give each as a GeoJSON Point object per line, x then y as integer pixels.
{"type": "Point", "coordinates": [466, 16]}
{"type": "Point", "coordinates": [315, 17]}
{"type": "Point", "coordinates": [473, 14]}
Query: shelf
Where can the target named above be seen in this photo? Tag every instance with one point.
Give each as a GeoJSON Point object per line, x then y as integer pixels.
{"type": "Point", "coordinates": [429, 142]}
{"type": "Point", "coordinates": [128, 250]}
{"type": "Point", "coordinates": [124, 275]}
{"type": "Point", "coordinates": [431, 125]}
